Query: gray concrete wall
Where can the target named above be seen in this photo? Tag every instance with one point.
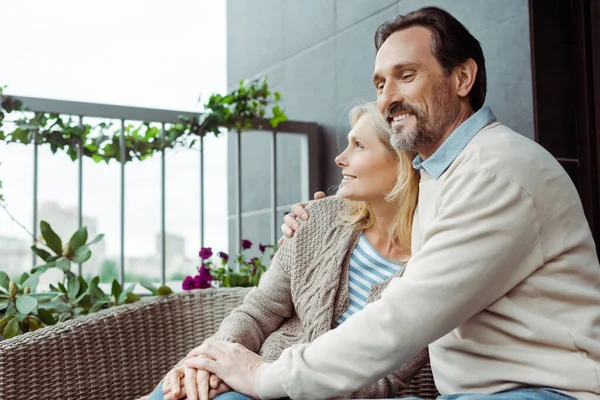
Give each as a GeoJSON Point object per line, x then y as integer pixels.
{"type": "Point", "coordinates": [319, 54]}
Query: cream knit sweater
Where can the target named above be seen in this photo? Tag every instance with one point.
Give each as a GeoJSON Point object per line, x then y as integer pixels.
{"type": "Point", "coordinates": [503, 284]}
{"type": "Point", "coordinates": [304, 291]}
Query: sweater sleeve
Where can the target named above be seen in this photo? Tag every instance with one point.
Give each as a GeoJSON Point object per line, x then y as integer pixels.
{"type": "Point", "coordinates": [263, 310]}
{"type": "Point", "coordinates": [484, 240]}
{"type": "Point", "coordinates": [266, 307]}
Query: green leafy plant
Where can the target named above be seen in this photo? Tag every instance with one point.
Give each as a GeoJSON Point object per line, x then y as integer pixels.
{"type": "Point", "coordinates": [236, 110]}
{"type": "Point", "coordinates": [243, 272]}
{"type": "Point", "coordinates": [23, 309]}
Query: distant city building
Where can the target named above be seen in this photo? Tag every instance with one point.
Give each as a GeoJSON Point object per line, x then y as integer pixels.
{"type": "Point", "coordinates": [64, 221]}
{"type": "Point", "coordinates": [15, 256]}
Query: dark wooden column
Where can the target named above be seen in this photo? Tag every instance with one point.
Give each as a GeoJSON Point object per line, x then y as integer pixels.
{"type": "Point", "coordinates": [565, 46]}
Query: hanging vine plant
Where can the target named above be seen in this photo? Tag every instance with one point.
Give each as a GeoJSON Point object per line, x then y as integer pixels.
{"type": "Point", "coordinates": [102, 142]}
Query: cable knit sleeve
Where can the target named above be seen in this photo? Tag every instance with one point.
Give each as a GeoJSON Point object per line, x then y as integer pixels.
{"type": "Point", "coordinates": [267, 306]}
{"type": "Point", "coordinates": [263, 311]}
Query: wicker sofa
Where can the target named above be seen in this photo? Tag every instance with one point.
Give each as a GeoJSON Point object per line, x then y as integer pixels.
{"type": "Point", "coordinates": [121, 353]}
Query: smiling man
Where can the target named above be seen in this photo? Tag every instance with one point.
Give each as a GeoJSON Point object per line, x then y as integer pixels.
{"type": "Point", "coordinates": [504, 282]}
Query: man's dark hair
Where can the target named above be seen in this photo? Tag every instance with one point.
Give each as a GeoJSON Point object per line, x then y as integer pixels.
{"type": "Point", "coordinates": [451, 44]}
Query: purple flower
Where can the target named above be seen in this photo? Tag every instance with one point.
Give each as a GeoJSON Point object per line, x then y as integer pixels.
{"type": "Point", "coordinates": [223, 256]}
{"type": "Point", "coordinates": [262, 247]}
{"type": "Point", "coordinates": [188, 283]}
{"type": "Point", "coordinates": [204, 274]}
{"type": "Point", "coordinates": [200, 281]}
{"type": "Point", "coordinates": [246, 244]}
{"type": "Point", "coordinates": [205, 253]}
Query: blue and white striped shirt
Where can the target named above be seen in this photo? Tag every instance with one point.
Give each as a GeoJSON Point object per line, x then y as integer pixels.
{"type": "Point", "coordinates": [367, 268]}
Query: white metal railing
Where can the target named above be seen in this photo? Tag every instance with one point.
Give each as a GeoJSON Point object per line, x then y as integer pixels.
{"type": "Point", "coordinates": [310, 151]}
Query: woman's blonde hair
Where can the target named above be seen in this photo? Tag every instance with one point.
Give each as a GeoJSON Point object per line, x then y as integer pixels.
{"type": "Point", "coordinates": [404, 194]}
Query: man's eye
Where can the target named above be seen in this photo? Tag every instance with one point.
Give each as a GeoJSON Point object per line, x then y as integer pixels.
{"type": "Point", "coordinates": [380, 86]}
{"type": "Point", "coordinates": [359, 145]}
{"type": "Point", "coordinates": [408, 76]}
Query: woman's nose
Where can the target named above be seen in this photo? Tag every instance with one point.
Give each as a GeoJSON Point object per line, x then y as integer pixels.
{"type": "Point", "coordinates": [340, 160]}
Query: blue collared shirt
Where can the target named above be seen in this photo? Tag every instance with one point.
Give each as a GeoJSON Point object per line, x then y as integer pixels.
{"type": "Point", "coordinates": [456, 142]}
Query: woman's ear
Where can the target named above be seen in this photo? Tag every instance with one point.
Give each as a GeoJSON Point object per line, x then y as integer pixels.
{"type": "Point", "coordinates": [465, 77]}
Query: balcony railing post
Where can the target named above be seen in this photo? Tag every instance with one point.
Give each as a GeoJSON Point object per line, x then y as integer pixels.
{"type": "Point", "coordinates": [202, 191]}
{"type": "Point", "coordinates": [163, 232]}
{"type": "Point", "coordinates": [123, 156]}
{"type": "Point", "coordinates": [35, 195]}
{"type": "Point", "coordinates": [238, 185]}
{"type": "Point", "coordinates": [274, 220]}
{"type": "Point", "coordinates": [80, 183]}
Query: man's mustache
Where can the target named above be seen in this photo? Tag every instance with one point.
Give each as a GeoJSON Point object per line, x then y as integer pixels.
{"type": "Point", "coordinates": [394, 108]}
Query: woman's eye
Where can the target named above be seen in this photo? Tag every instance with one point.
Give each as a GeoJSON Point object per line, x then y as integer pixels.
{"type": "Point", "coordinates": [359, 145]}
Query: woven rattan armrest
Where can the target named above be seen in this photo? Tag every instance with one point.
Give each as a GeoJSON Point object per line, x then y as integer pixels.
{"type": "Point", "coordinates": [119, 353]}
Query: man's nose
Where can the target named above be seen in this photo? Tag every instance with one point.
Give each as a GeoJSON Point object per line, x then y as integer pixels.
{"type": "Point", "coordinates": [390, 95]}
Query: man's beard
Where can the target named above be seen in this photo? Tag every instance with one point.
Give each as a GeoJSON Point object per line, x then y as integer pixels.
{"type": "Point", "coordinates": [428, 130]}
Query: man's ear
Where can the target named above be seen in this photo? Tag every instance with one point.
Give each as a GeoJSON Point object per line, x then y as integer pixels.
{"type": "Point", "coordinates": [465, 77]}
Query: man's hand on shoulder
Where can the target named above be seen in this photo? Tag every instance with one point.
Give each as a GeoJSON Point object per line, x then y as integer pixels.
{"type": "Point", "coordinates": [290, 225]}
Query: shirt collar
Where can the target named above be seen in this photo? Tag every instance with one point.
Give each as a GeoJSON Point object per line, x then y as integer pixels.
{"type": "Point", "coordinates": [456, 142]}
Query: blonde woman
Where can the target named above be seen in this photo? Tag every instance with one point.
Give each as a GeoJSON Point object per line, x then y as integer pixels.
{"type": "Point", "coordinates": [337, 262]}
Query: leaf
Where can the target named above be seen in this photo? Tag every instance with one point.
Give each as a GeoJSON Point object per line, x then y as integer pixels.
{"type": "Point", "coordinates": [4, 304]}
{"type": "Point", "coordinates": [78, 239]}
{"type": "Point", "coordinates": [121, 298]}
{"type": "Point", "coordinates": [32, 281]}
{"type": "Point", "coordinates": [99, 306]}
{"type": "Point", "coordinates": [95, 292]}
{"type": "Point", "coordinates": [46, 317]}
{"type": "Point", "coordinates": [97, 239]}
{"type": "Point", "coordinates": [12, 329]}
{"type": "Point", "coordinates": [83, 300]}
{"type": "Point", "coordinates": [26, 304]}
{"type": "Point", "coordinates": [63, 264]}
{"type": "Point", "coordinates": [4, 280]}
{"type": "Point", "coordinates": [130, 288]}
{"type": "Point", "coordinates": [82, 254]}
{"type": "Point", "coordinates": [22, 278]}
{"type": "Point", "coordinates": [83, 286]}
{"type": "Point", "coordinates": [6, 320]}
{"type": "Point", "coordinates": [116, 289]}
{"type": "Point", "coordinates": [164, 290]}
{"type": "Point", "coordinates": [73, 288]}
{"type": "Point", "coordinates": [43, 296]}
{"type": "Point", "coordinates": [150, 287]}
{"type": "Point", "coordinates": [61, 287]}
{"type": "Point", "coordinates": [34, 325]}
{"type": "Point", "coordinates": [131, 298]}
{"type": "Point", "coordinates": [44, 268]}
{"type": "Point", "coordinates": [43, 254]}
{"type": "Point", "coordinates": [21, 317]}
{"type": "Point", "coordinates": [51, 238]}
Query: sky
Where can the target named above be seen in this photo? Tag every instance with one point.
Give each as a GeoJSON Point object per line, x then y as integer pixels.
{"type": "Point", "coordinates": [145, 53]}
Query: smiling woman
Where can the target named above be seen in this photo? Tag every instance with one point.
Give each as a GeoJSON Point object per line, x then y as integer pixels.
{"type": "Point", "coordinates": [386, 175]}
{"type": "Point", "coordinates": [342, 258]}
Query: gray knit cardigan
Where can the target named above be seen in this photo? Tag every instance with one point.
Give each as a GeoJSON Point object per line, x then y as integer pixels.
{"type": "Point", "coordinates": [303, 293]}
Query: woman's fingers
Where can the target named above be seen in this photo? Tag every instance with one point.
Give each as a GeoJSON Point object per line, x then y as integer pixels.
{"type": "Point", "coordinates": [289, 222]}
{"type": "Point", "coordinates": [215, 381]}
{"type": "Point", "coordinates": [172, 382]}
{"type": "Point", "coordinates": [202, 378]}
{"type": "Point", "coordinates": [319, 195]}
{"type": "Point", "coordinates": [190, 383]}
